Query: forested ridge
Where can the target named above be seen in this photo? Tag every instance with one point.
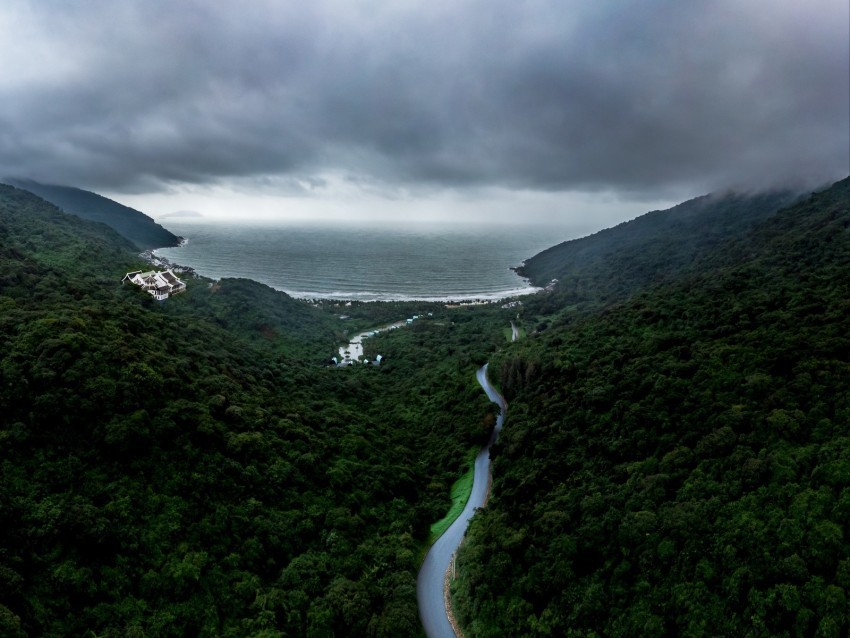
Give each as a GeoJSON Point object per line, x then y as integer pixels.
{"type": "Point", "coordinates": [193, 467]}
{"type": "Point", "coordinates": [679, 464]}
{"type": "Point", "coordinates": [132, 224]}
{"type": "Point", "coordinates": [611, 265]}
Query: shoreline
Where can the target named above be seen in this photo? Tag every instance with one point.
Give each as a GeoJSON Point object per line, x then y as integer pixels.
{"type": "Point", "coordinates": [464, 299]}
{"type": "Point", "coordinates": [152, 258]}
{"type": "Point", "coordinates": [472, 299]}
{"type": "Point", "coordinates": [459, 300]}
{"type": "Point", "coordinates": [402, 282]}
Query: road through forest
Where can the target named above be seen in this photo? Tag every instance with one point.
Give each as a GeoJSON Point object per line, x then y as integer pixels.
{"type": "Point", "coordinates": [431, 579]}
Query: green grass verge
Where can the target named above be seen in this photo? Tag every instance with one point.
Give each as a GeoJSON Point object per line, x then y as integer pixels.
{"type": "Point", "coordinates": [460, 495]}
{"type": "Point", "coordinates": [509, 334]}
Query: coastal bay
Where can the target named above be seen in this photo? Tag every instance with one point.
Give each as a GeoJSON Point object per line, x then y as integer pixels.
{"type": "Point", "coordinates": [365, 261]}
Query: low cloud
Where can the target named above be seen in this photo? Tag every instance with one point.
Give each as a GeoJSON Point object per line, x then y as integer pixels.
{"type": "Point", "coordinates": [642, 99]}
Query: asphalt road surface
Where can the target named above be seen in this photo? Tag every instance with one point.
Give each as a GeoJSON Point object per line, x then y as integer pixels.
{"type": "Point", "coordinates": [431, 579]}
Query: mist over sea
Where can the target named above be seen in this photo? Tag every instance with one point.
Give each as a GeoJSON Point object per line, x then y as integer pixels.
{"type": "Point", "coordinates": [366, 261]}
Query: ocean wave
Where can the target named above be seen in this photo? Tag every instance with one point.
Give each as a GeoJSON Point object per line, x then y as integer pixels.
{"type": "Point", "coordinates": [366, 296]}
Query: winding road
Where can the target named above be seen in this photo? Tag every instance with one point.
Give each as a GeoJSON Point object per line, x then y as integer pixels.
{"type": "Point", "coordinates": [431, 580]}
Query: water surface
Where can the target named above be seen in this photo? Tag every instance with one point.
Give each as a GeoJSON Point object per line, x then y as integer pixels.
{"type": "Point", "coordinates": [365, 261]}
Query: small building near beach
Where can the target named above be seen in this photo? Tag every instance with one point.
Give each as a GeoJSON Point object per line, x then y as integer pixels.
{"type": "Point", "coordinates": [160, 284]}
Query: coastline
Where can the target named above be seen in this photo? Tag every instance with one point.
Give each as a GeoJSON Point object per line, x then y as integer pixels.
{"type": "Point", "coordinates": [364, 263]}
{"type": "Point", "coordinates": [465, 299]}
{"type": "Point", "coordinates": [462, 299]}
{"type": "Point", "coordinates": [152, 258]}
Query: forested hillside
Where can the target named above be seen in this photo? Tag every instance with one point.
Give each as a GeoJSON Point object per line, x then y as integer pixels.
{"type": "Point", "coordinates": [679, 465]}
{"type": "Point", "coordinates": [140, 229]}
{"type": "Point", "coordinates": [652, 249]}
{"type": "Point", "coordinates": [181, 468]}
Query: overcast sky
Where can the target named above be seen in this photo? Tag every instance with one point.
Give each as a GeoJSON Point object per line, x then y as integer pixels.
{"type": "Point", "coordinates": [462, 108]}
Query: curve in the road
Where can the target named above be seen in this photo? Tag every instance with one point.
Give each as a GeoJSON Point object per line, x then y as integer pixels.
{"type": "Point", "coordinates": [431, 579]}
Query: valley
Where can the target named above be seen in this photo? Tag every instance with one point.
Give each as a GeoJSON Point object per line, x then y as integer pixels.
{"type": "Point", "coordinates": [675, 455]}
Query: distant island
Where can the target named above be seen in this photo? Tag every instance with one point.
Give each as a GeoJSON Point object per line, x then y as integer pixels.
{"type": "Point", "coordinates": [181, 213]}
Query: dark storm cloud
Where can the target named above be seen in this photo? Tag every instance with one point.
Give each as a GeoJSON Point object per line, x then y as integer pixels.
{"type": "Point", "coordinates": [631, 97]}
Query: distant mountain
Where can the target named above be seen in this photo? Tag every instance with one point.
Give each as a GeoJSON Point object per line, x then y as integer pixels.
{"type": "Point", "coordinates": [617, 262]}
{"type": "Point", "coordinates": [143, 231]}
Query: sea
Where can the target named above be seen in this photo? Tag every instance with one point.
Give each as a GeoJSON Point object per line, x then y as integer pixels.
{"type": "Point", "coordinates": [366, 261]}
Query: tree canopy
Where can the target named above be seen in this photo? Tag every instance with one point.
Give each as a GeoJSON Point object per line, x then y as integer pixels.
{"type": "Point", "coordinates": [679, 464]}
{"type": "Point", "coordinates": [675, 459]}
{"type": "Point", "coordinates": [194, 466]}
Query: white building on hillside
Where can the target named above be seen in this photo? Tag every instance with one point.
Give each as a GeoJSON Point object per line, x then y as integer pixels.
{"type": "Point", "coordinates": [161, 284]}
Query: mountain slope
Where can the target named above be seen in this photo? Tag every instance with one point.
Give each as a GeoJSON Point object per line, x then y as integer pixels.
{"type": "Point", "coordinates": [165, 474]}
{"type": "Point", "coordinates": [679, 464]}
{"type": "Point", "coordinates": [143, 231]}
{"type": "Point", "coordinates": [42, 234]}
{"type": "Point", "coordinates": [614, 263]}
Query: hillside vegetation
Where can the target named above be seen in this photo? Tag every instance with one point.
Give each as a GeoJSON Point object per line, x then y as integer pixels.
{"type": "Point", "coordinates": [191, 467]}
{"type": "Point", "coordinates": [675, 462]}
{"type": "Point", "coordinates": [615, 263]}
{"type": "Point", "coordinates": [679, 464]}
{"type": "Point", "coordinates": [134, 225]}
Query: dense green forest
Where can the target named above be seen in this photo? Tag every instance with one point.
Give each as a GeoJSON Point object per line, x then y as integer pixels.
{"type": "Point", "coordinates": [134, 225]}
{"type": "Point", "coordinates": [194, 466]}
{"type": "Point", "coordinates": [654, 248]}
{"type": "Point", "coordinates": [679, 464]}
{"type": "Point", "coordinates": [675, 461]}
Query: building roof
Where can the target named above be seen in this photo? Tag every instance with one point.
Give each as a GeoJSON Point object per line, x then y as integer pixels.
{"type": "Point", "coordinates": [161, 281]}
